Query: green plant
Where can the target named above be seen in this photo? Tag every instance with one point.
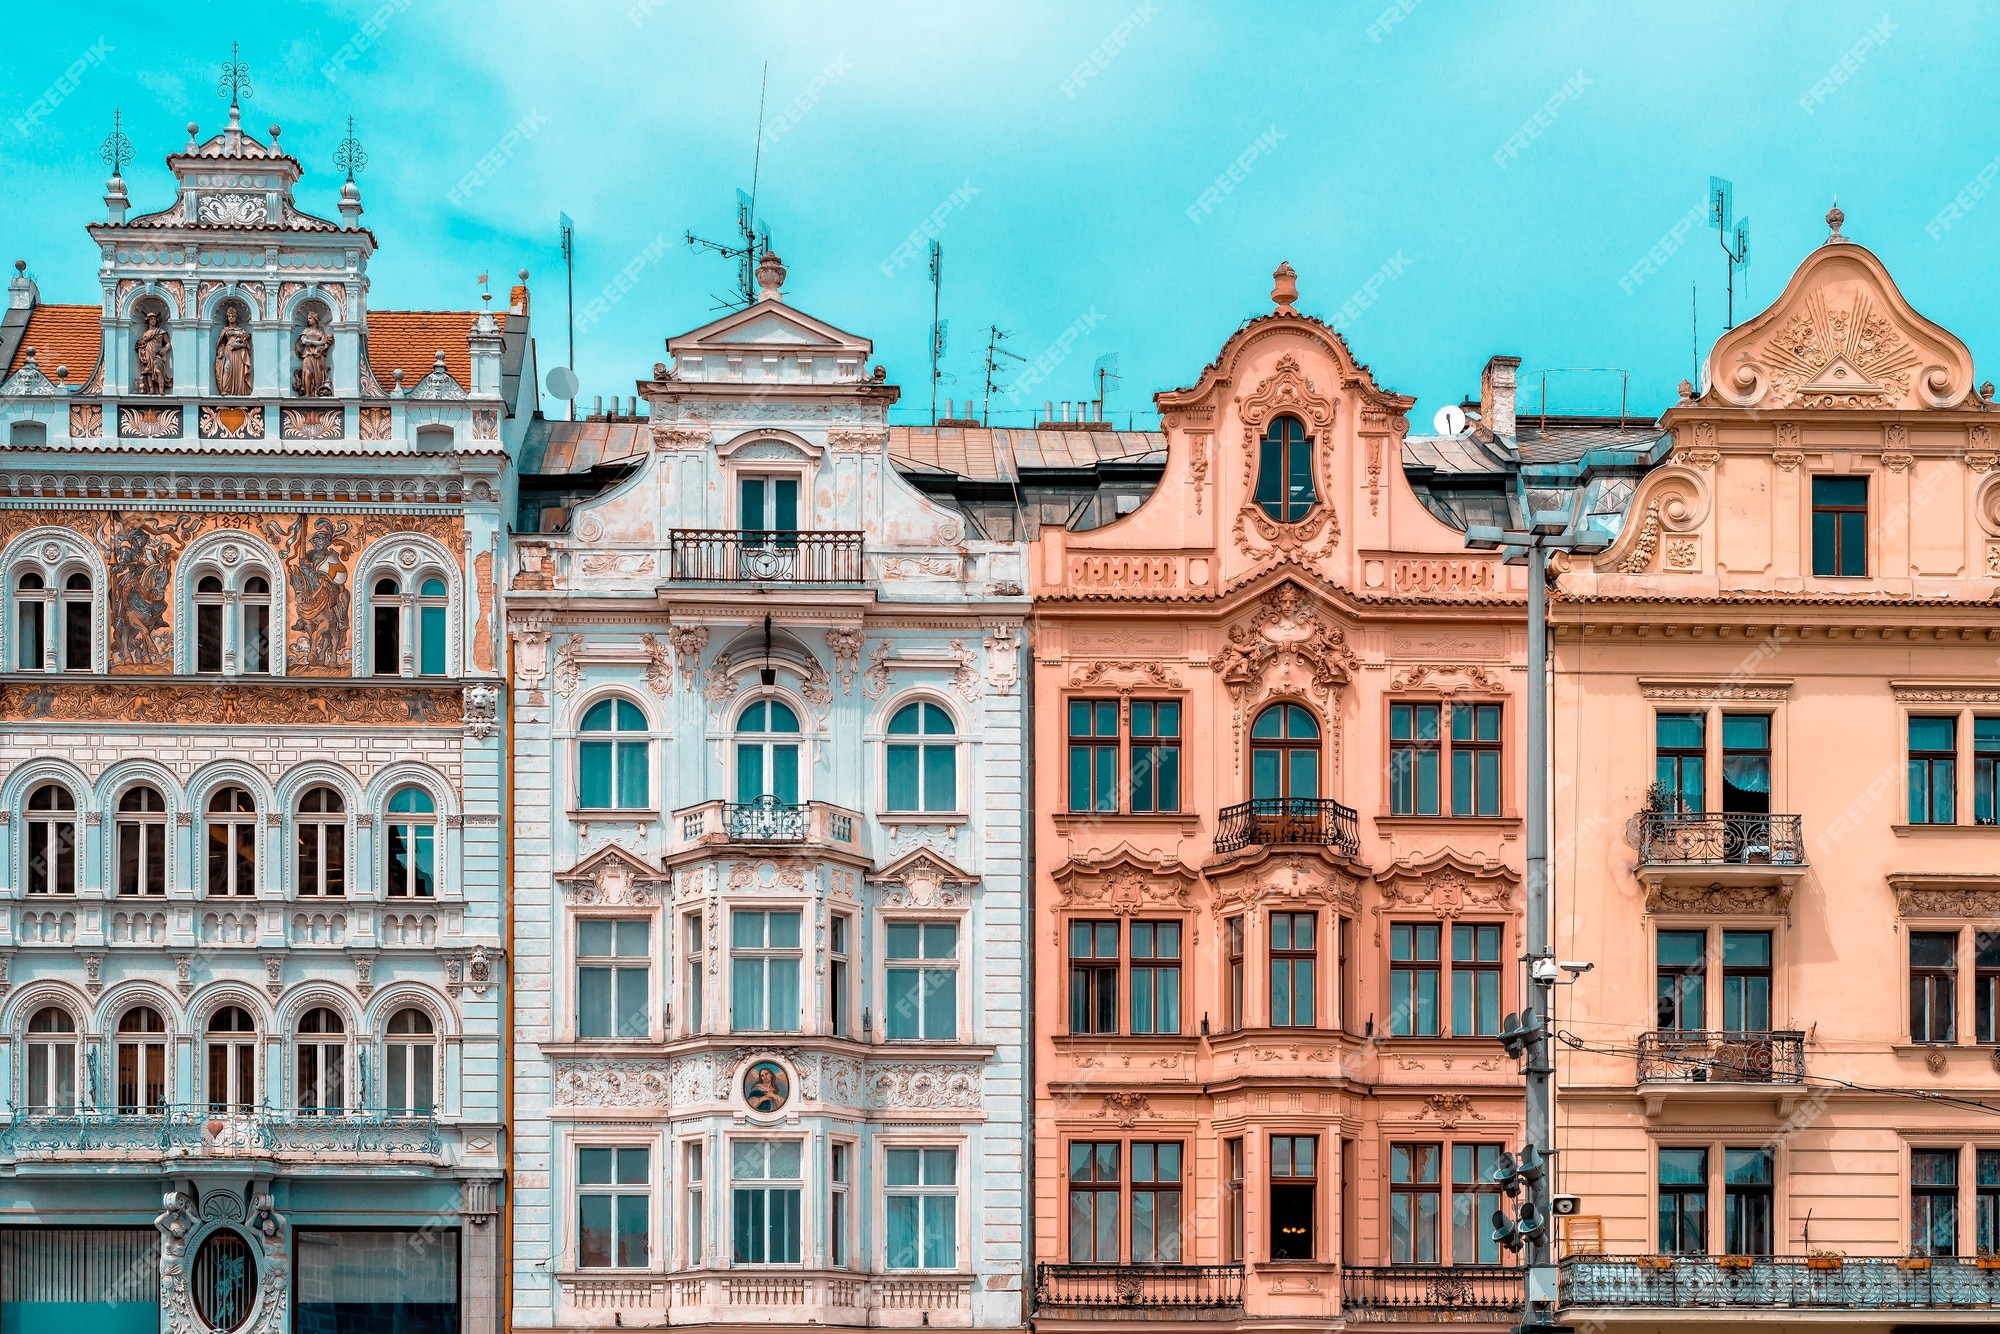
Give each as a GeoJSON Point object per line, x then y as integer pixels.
{"type": "Point", "coordinates": [1663, 799]}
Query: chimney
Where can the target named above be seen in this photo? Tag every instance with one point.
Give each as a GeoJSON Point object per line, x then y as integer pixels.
{"type": "Point", "coordinates": [21, 293]}
{"type": "Point", "coordinates": [517, 299]}
{"type": "Point", "coordinates": [1496, 394]}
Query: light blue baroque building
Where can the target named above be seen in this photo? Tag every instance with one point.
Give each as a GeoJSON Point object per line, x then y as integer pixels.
{"type": "Point", "coordinates": [252, 934]}
{"type": "Point", "coordinates": [768, 878]}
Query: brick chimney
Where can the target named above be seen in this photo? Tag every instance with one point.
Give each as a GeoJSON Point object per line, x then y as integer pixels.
{"type": "Point", "coordinates": [517, 300]}
{"type": "Point", "coordinates": [1496, 394]}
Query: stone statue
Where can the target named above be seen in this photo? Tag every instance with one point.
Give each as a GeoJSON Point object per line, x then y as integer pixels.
{"type": "Point", "coordinates": [314, 377]}
{"type": "Point", "coordinates": [156, 357]}
{"type": "Point", "coordinates": [232, 356]}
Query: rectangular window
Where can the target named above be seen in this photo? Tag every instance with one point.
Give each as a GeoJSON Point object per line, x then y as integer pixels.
{"type": "Point", "coordinates": [1986, 1202]}
{"type": "Point", "coordinates": [695, 975]}
{"type": "Point", "coordinates": [837, 1203]}
{"type": "Point", "coordinates": [1682, 981]}
{"type": "Point", "coordinates": [1413, 759]}
{"type": "Point", "coordinates": [1093, 1202]}
{"type": "Point", "coordinates": [764, 1201]}
{"type": "Point", "coordinates": [142, 856]}
{"type": "Point", "coordinates": [1680, 750]}
{"type": "Point", "coordinates": [922, 992]}
{"type": "Point", "coordinates": [1292, 960]}
{"type": "Point", "coordinates": [836, 975]}
{"type": "Point", "coordinates": [1474, 1197]}
{"type": "Point", "coordinates": [1986, 987]}
{"type": "Point", "coordinates": [613, 1208]}
{"type": "Point", "coordinates": [1294, 1175]}
{"type": "Point", "coordinates": [1933, 986]}
{"type": "Point", "coordinates": [1232, 932]}
{"type": "Point", "coordinates": [696, 1191]}
{"type": "Point", "coordinates": [1746, 981]}
{"type": "Point", "coordinates": [921, 1201]}
{"type": "Point", "coordinates": [1156, 977]}
{"type": "Point", "coordinates": [1156, 1204]}
{"type": "Point", "coordinates": [1475, 979]}
{"type": "Point", "coordinates": [1413, 1203]}
{"type": "Point", "coordinates": [1232, 1201]}
{"type": "Point", "coordinates": [1933, 770]}
{"type": "Point", "coordinates": [1746, 763]}
{"type": "Point", "coordinates": [1475, 759]}
{"type": "Point", "coordinates": [770, 505]}
{"type": "Point", "coordinates": [1934, 1201]}
{"type": "Point", "coordinates": [764, 971]}
{"type": "Point", "coordinates": [1746, 1201]}
{"type": "Point", "coordinates": [1093, 754]}
{"type": "Point", "coordinates": [1093, 977]}
{"type": "Point", "coordinates": [1986, 770]}
{"type": "Point", "coordinates": [612, 967]}
{"type": "Point", "coordinates": [1840, 526]}
{"type": "Point", "coordinates": [1156, 756]}
{"type": "Point", "coordinates": [1683, 1201]}
{"type": "Point", "coordinates": [1413, 979]}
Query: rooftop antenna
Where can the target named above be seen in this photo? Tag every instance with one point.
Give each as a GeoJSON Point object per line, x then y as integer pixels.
{"type": "Point", "coordinates": [994, 335]}
{"type": "Point", "coordinates": [754, 240]}
{"type": "Point", "coordinates": [116, 150]}
{"type": "Point", "coordinates": [235, 80]}
{"type": "Point", "coordinates": [1105, 368]}
{"type": "Point", "coordinates": [937, 325]}
{"type": "Point", "coordinates": [1735, 240]}
{"type": "Point", "coordinates": [567, 231]}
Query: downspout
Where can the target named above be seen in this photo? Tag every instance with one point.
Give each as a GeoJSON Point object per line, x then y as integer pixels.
{"type": "Point", "coordinates": [1031, 928]}
{"type": "Point", "coordinates": [506, 1266]}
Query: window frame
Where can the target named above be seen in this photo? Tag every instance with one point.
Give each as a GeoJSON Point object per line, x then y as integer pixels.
{"type": "Point", "coordinates": [1101, 974]}
{"type": "Point", "coordinates": [615, 741]}
{"type": "Point", "coordinates": [1935, 1191]}
{"type": "Point", "coordinates": [1097, 1187]}
{"type": "Point", "coordinates": [222, 610]}
{"type": "Point", "coordinates": [1681, 1192]}
{"type": "Point", "coordinates": [1412, 754]}
{"type": "Point", "coordinates": [925, 1191]}
{"type": "Point", "coordinates": [1926, 981]}
{"type": "Point", "coordinates": [406, 618]}
{"type": "Point", "coordinates": [799, 1186]}
{"type": "Point", "coordinates": [927, 967]}
{"type": "Point", "coordinates": [614, 1189]}
{"type": "Point", "coordinates": [1923, 803]}
{"type": "Point", "coordinates": [645, 963]}
{"type": "Point", "coordinates": [1276, 446]}
{"type": "Point", "coordinates": [422, 845]}
{"type": "Point", "coordinates": [54, 1061]}
{"type": "Point", "coordinates": [150, 1070]}
{"type": "Point", "coordinates": [58, 830]}
{"type": "Point", "coordinates": [1417, 1207]}
{"type": "Point", "coordinates": [325, 825]}
{"type": "Point", "coordinates": [1294, 1180]}
{"type": "Point", "coordinates": [767, 742]}
{"type": "Point", "coordinates": [1838, 512]}
{"type": "Point", "coordinates": [407, 1053]}
{"type": "Point", "coordinates": [332, 1055]}
{"type": "Point", "coordinates": [1474, 971]}
{"type": "Point", "coordinates": [1293, 957]}
{"type": "Point", "coordinates": [767, 954]}
{"type": "Point", "coordinates": [1407, 976]}
{"type": "Point", "coordinates": [242, 1061]}
{"type": "Point", "coordinates": [928, 747]}
{"type": "Point", "coordinates": [54, 605]}
{"type": "Point", "coordinates": [243, 830]}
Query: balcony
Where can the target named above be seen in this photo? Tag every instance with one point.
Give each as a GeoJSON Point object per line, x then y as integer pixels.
{"type": "Point", "coordinates": [193, 1130]}
{"type": "Point", "coordinates": [1680, 1063]}
{"type": "Point", "coordinates": [1214, 1291]}
{"type": "Point", "coordinates": [741, 555]}
{"type": "Point", "coordinates": [1719, 862]}
{"type": "Point", "coordinates": [1431, 1293]}
{"type": "Point", "coordinates": [1786, 1282]}
{"type": "Point", "coordinates": [767, 820]}
{"type": "Point", "coordinates": [1288, 822]}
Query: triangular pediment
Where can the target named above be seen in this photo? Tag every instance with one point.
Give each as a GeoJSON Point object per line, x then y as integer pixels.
{"type": "Point", "coordinates": [765, 325]}
{"type": "Point", "coordinates": [921, 864]}
{"type": "Point", "coordinates": [613, 875]}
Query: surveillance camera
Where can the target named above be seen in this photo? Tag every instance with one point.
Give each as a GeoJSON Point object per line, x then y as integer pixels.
{"type": "Point", "coordinates": [1574, 968]}
{"type": "Point", "coordinates": [1543, 970]}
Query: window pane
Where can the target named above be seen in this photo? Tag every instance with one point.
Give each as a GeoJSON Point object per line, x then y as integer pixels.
{"type": "Point", "coordinates": [940, 778]}
{"type": "Point", "coordinates": [903, 778]}
{"type": "Point", "coordinates": [594, 778]}
{"type": "Point", "coordinates": [632, 785]}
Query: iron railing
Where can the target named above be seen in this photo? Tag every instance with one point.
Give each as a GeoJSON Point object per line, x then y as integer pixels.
{"type": "Point", "coordinates": [1431, 1292]}
{"type": "Point", "coordinates": [1699, 1282]}
{"type": "Point", "coordinates": [739, 555]}
{"type": "Point", "coordinates": [196, 1129]}
{"type": "Point", "coordinates": [1287, 822]}
{"type": "Point", "coordinates": [1699, 838]}
{"type": "Point", "coordinates": [1177, 1288]}
{"type": "Point", "coordinates": [765, 820]}
{"type": "Point", "coordinates": [1680, 1057]}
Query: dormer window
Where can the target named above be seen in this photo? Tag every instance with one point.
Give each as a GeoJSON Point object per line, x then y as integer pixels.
{"type": "Point", "coordinates": [1285, 471]}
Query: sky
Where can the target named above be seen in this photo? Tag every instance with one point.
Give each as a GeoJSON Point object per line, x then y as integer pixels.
{"type": "Point", "coordinates": [1450, 179]}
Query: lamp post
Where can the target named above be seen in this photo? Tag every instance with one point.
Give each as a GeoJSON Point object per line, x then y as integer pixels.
{"type": "Point", "coordinates": [1527, 1034]}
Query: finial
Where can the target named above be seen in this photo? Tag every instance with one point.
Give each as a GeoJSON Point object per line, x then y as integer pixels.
{"type": "Point", "coordinates": [524, 275]}
{"type": "Point", "coordinates": [348, 156]}
{"type": "Point", "coordinates": [20, 266]}
{"type": "Point", "coordinates": [235, 80]}
{"type": "Point", "coordinates": [276, 130]}
{"type": "Point", "coordinates": [1284, 286]}
{"type": "Point", "coordinates": [117, 149]}
{"type": "Point", "coordinates": [770, 276]}
{"type": "Point", "coordinates": [1834, 217]}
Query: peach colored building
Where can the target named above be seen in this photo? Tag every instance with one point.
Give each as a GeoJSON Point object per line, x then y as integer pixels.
{"type": "Point", "coordinates": [1776, 739]}
{"type": "Point", "coordinates": [1278, 862]}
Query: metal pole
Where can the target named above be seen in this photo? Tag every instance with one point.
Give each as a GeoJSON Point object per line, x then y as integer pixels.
{"type": "Point", "coordinates": [1540, 1064]}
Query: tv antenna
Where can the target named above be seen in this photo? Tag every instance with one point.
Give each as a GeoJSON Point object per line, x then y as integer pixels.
{"type": "Point", "coordinates": [1104, 368]}
{"type": "Point", "coordinates": [994, 335]}
{"type": "Point", "coordinates": [753, 239]}
{"type": "Point", "coordinates": [566, 231]}
{"type": "Point", "coordinates": [937, 325]}
{"type": "Point", "coordinates": [1735, 243]}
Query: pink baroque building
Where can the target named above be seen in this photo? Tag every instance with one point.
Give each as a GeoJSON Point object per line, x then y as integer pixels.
{"type": "Point", "coordinates": [1776, 740]}
{"type": "Point", "coordinates": [1278, 864]}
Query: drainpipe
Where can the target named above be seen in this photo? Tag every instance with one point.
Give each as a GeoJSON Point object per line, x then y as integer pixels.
{"type": "Point", "coordinates": [1031, 928]}
{"type": "Point", "coordinates": [506, 1266]}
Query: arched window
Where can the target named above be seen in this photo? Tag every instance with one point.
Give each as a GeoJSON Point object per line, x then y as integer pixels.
{"type": "Point", "coordinates": [321, 835]}
{"type": "Point", "coordinates": [411, 1056]}
{"type": "Point", "coordinates": [322, 1062]}
{"type": "Point", "coordinates": [923, 774]}
{"type": "Point", "coordinates": [52, 625]}
{"type": "Point", "coordinates": [51, 859]}
{"type": "Point", "coordinates": [409, 847]}
{"type": "Point", "coordinates": [142, 841]}
{"type": "Point", "coordinates": [1285, 471]}
{"type": "Point", "coordinates": [387, 629]}
{"type": "Point", "coordinates": [76, 623]}
{"type": "Point", "coordinates": [232, 1060]}
{"type": "Point", "coordinates": [1284, 753]}
{"type": "Point", "coordinates": [208, 598]}
{"type": "Point", "coordinates": [142, 1062]}
{"type": "Point", "coordinates": [613, 758]}
{"type": "Point", "coordinates": [232, 843]}
{"type": "Point", "coordinates": [31, 619]}
{"type": "Point", "coordinates": [256, 605]}
{"type": "Point", "coordinates": [431, 628]}
{"type": "Point", "coordinates": [767, 753]}
{"type": "Point", "coordinates": [52, 1060]}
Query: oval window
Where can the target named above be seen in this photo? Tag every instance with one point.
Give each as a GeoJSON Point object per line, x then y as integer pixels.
{"type": "Point", "coordinates": [225, 1280]}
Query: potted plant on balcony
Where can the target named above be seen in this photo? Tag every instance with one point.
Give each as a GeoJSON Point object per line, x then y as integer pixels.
{"type": "Point", "coordinates": [1987, 1259]}
{"type": "Point", "coordinates": [1914, 1262]}
{"type": "Point", "coordinates": [1656, 1262]}
{"type": "Point", "coordinates": [1825, 1259]}
{"type": "Point", "coordinates": [1735, 1261]}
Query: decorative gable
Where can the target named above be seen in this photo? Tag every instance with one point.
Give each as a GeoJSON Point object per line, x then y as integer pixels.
{"type": "Point", "coordinates": [613, 876]}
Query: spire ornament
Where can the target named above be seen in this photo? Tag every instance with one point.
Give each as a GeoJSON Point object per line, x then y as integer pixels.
{"type": "Point", "coordinates": [348, 155]}
{"type": "Point", "coordinates": [116, 150]}
{"type": "Point", "coordinates": [235, 80]}
{"type": "Point", "coordinates": [1834, 217]}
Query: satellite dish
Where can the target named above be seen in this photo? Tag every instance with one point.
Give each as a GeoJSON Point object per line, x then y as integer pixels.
{"type": "Point", "coordinates": [562, 382]}
{"type": "Point", "coordinates": [1450, 419]}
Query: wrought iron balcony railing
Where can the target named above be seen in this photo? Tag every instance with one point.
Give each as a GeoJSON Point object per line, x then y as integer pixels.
{"type": "Point", "coordinates": [196, 1129]}
{"type": "Point", "coordinates": [740, 555]}
{"type": "Point", "coordinates": [1274, 822]}
{"type": "Point", "coordinates": [1189, 1289]}
{"type": "Point", "coordinates": [1679, 1057]}
{"type": "Point", "coordinates": [1431, 1292]}
{"type": "Point", "coordinates": [1784, 1282]}
{"type": "Point", "coordinates": [765, 820]}
{"type": "Point", "coordinates": [1697, 838]}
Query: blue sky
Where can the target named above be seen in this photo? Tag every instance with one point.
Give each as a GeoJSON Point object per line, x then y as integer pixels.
{"type": "Point", "coordinates": [1130, 170]}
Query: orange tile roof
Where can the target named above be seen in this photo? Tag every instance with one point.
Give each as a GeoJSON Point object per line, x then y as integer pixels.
{"type": "Point", "coordinates": [71, 336]}
{"type": "Point", "coordinates": [409, 341]}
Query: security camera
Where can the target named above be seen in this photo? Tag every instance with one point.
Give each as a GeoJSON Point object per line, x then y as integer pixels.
{"type": "Point", "coordinates": [1574, 968]}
